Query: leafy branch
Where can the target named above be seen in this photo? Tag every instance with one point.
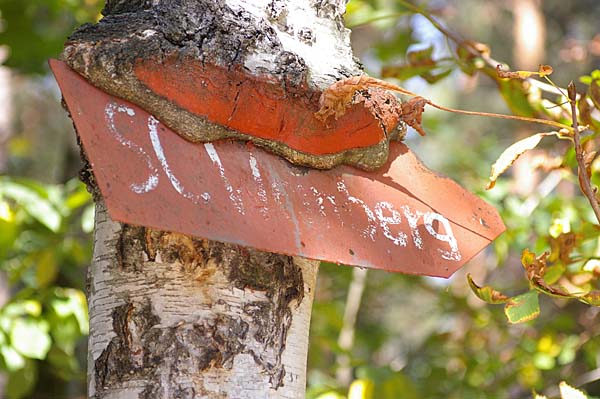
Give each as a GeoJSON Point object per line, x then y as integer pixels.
{"type": "Point", "coordinates": [556, 272]}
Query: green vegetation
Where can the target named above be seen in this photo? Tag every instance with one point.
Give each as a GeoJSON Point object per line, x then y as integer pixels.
{"type": "Point", "coordinates": [413, 337]}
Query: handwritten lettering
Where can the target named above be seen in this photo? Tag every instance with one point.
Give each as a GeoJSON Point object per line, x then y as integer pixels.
{"type": "Point", "coordinates": [413, 219]}
{"type": "Point", "coordinates": [386, 221]}
{"type": "Point", "coordinates": [372, 221]}
{"type": "Point", "coordinates": [262, 193]}
{"type": "Point", "coordinates": [428, 219]}
{"type": "Point", "coordinates": [160, 154]}
{"type": "Point", "coordinates": [316, 205]}
{"type": "Point", "coordinates": [234, 195]}
{"type": "Point", "coordinates": [152, 182]}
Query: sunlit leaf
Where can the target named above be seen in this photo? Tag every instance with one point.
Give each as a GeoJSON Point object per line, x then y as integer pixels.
{"type": "Point", "coordinates": [12, 359]}
{"type": "Point", "coordinates": [487, 293]}
{"type": "Point", "coordinates": [544, 361]}
{"type": "Point", "coordinates": [30, 338]}
{"type": "Point", "coordinates": [87, 219]}
{"type": "Point", "coordinates": [361, 389]}
{"type": "Point", "coordinates": [331, 395]}
{"type": "Point", "coordinates": [510, 155]}
{"type": "Point", "coordinates": [33, 203]}
{"type": "Point", "coordinates": [71, 302]}
{"type": "Point", "coordinates": [522, 308]}
{"type": "Point", "coordinates": [25, 307]}
{"type": "Point", "coordinates": [568, 392]}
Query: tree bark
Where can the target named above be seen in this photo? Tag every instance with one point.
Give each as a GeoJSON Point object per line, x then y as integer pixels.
{"type": "Point", "coordinates": [173, 316]}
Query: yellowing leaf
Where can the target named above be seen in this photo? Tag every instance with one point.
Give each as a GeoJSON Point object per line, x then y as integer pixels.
{"type": "Point", "coordinates": [524, 74]}
{"type": "Point", "coordinates": [510, 155]}
{"type": "Point", "coordinates": [361, 389]}
{"type": "Point", "coordinates": [568, 392]}
{"type": "Point", "coordinates": [523, 307]}
{"type": "Point", "coordinates": [487, 293]}
{"type": "Point", "coordinates": [591, 298]}
{"type": "Point", "coordinates": [527, 258]}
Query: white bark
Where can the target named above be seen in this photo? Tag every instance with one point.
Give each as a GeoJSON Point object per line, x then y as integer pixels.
{"type": "Point", "coordinates": [313, 30]}
{"type": "Point", "coordinates": [172, 316]}
{"type": "Point", "coordinates": [184, 328]}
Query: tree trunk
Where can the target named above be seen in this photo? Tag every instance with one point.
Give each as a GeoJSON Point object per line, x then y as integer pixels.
{"type": "Point", "coordinates": [173, 316]}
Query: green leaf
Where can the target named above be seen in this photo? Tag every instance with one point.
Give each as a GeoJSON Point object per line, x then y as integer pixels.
{"type": "Point", "coordinates": [46, 269]}
{"type": "Point", "coordinates": [487, 293]}
{"type": "Point", "coordinates": [12, 359]}
{"type": "Point", "coordinates": [78, 198]}
{"type": "Point", "coordinates": [388, 383]}
{"type": "Point", "coordinates": [522, 308]}
{"type": "Point", "coordinates": [21, 383]}
{"type": "Point", "coordinates": [544, 361]}
{"type": "Point", "coordinates": [30, 338]}
{"type": "Point", "coordinates": [64, 363]}
{"type": "Point", "coordinates": [554, 273]}
{"type": "Point", "coordinates": [71, 302]}
{"type": "Point", "coordinates": [33, 203]}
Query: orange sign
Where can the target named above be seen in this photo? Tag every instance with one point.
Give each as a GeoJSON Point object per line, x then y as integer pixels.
{"type": "Point", "coordinates": [401, 218]}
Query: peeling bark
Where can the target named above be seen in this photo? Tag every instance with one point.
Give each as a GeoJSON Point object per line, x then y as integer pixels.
{"type": "Point", "coordinates": [178, 317]}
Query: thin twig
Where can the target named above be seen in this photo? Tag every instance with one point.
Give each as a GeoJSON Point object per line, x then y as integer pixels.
{"type": "Point", "coordinates": [584, 179]}
{"type": "Point", "coordinates": [502, 116]}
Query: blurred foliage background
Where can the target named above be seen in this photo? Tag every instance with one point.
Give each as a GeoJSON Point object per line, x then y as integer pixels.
{"type": "Point", "coordinates": [373, 334]}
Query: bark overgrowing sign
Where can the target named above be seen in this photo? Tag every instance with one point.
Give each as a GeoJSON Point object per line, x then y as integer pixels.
{"type": "Point", "coordinates": [401, 217]}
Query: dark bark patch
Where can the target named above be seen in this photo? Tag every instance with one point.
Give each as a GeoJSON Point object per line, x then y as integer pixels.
{"type": "Point", "coordinates": [124, 6]}
{"type": "Point", "coordinates": [131, 247]}
{"type": "Point", "coordinates": [123, 357]}
{"type": "Point", "coordinates": [144, 350]}
{"type": "Point", "coordinates": [282, 281]}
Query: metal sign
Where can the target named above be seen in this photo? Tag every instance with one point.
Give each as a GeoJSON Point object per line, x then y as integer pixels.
{"type": "Point", "coordinates": [401, 218]}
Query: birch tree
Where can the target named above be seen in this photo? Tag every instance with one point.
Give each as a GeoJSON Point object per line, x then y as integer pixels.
{"type": "Point", "coordinates": [174, 316]}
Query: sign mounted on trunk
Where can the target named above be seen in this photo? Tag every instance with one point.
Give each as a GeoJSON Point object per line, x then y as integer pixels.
{"type": "Point", "coordinates": [401, 218]}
